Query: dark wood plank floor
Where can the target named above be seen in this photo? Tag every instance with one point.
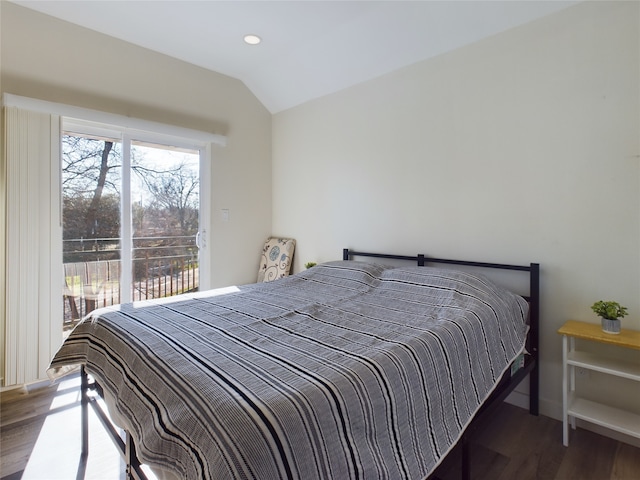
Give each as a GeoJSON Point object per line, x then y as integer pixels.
{"type": "Point", "coordinates": [40, 440]}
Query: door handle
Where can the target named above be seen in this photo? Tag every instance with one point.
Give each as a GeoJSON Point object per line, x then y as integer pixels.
{"type": "Point", "coordinates": [201, 239]}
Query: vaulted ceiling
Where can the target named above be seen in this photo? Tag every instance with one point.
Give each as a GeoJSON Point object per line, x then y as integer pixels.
{"type": "Point", "coordinates": [309, 48]}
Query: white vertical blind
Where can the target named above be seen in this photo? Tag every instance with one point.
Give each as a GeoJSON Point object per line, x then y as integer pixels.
{"type": "Point", "coordinates": [33, 276]}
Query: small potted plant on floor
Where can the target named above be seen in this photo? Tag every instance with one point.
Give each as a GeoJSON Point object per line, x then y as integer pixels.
{"type": "Point", "coordinates": [610, 313]}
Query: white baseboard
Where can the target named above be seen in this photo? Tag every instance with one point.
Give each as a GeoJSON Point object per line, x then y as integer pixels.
{"type": "Point", "coordinates": [28, 387]}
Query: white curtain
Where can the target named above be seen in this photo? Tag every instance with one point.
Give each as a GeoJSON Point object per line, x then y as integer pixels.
{"type": "Point", "coordinates": [33, 244]}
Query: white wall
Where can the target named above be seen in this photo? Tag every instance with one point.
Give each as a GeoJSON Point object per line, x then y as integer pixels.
{"type": "Point", "coordinates": [524, 147]}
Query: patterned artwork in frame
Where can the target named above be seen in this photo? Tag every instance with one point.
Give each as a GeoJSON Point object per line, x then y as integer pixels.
{"type": "Point", "coordinates": [275, 262]}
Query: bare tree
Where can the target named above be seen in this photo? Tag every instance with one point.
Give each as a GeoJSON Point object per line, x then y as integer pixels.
{"type": "Point", "coordinates": [91, 216]}
{"type": "Point", "coordinates": [91, 192]}
{"type": "Point", "coordinates": [91, 189]}
{"type": "Point", "coordinates": [176, 193]}
{"type": "Point", "coordinates": [89, 164]}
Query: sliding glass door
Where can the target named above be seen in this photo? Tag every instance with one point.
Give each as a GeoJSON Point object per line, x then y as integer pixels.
{"type": "Point", "coordinates": [131, 219]}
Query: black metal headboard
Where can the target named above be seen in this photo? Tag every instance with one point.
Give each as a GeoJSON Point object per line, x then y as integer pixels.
{"type": "Point", "coordinates": [531, 367]}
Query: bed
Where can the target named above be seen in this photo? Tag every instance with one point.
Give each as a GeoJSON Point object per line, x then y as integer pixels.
{"type": "Point", "coordinates": [350, 369]}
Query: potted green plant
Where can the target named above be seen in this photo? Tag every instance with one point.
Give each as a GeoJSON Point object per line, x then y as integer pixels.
{"type": "Point", "coordinates": [310, 264]}
{"type": "Point", "coordinates": [610, 314]}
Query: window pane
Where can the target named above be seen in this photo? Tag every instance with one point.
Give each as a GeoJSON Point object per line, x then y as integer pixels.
{"type": "Point", "coordinates": [91, 175]}
{"type": "Point", "coordinates": [165, 194]}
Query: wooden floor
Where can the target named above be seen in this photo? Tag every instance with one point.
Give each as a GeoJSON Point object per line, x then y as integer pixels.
{"type": "Point", "coordinates": [40, 439]}
{"type": "Point", "coordinates": [516, 445]}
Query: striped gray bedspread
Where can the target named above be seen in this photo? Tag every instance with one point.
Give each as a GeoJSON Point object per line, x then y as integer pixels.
{"type": "Point", "coordinates": [348, 370]}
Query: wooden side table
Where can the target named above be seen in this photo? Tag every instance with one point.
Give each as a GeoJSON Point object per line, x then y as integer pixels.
{"type": "Point", "coordinates": [573, 406]}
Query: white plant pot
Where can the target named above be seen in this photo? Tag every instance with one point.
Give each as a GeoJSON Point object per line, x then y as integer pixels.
{"type": "Point", "coordinates": [611, 326]}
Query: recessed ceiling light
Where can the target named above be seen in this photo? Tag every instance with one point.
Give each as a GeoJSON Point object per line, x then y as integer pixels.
{"type": "Point", "coordinates": [252, 39]}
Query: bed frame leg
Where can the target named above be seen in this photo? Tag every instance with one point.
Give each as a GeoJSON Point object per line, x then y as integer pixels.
{"type": "Point", "coordinates": [134, 468]}
{"type": "Point", "coordinates": [129, 454]}
{"type": "Point", "coordinates": [534, 335]}
{"type": "Point", "coordinates": [466, 461]}
{"type": "Point", "coordinates": [84, 407]}
{"type": "Point", "coordinates": [534, 387]}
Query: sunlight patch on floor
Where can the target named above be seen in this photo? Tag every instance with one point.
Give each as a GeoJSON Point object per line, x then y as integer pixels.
{"type": "Point", "coordinates": [56, 453]}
